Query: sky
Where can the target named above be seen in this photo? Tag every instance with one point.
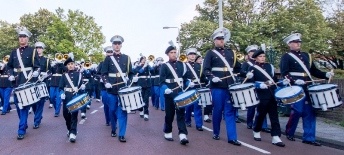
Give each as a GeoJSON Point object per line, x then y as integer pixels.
{"type": "Point", "coordinates": [139, 22]}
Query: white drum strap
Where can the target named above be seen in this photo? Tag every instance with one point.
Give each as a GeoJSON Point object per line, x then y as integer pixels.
{"type": "Point", "coordinates": [301, 64]}
{"type": "Point", "coordinates": [118, 68]}
{"type": "Point", "coordinates": [226, 63]}
{"type": "Point", "coordinates": [264, 72]}
{"type": "Point", "coordinates": [250, 63]}
{"type": "Point", "coordinates": [174, 74]}
{"type": "Point", "coordinates": [71, 83]}
{"type": "Point", "coordinates": [21, 64]}
{"type": "Point", "coordinates": [193, 72]}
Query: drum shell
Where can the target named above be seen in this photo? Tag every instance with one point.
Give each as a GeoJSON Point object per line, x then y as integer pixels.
{"type": "Point", "coordinates": [131, 98]}
{"type": "Point", "coordinates": [243, 95]}
{"type": "Point", "coordinates": [27, 95]}
{"type": "Point", "coordinates": [205, 97]}
{"type": "Point", "coordinates": [183, 100]}
{"type": "Point", "coordinates": [77, 104]}
{"type": "Point", "coordinates": [298, 95]}
{"type": "Point", "coordinates": [324, 96]}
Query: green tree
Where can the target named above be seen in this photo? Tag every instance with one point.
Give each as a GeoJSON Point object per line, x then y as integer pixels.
{"type": "Point", "coordinates": [8, 38]}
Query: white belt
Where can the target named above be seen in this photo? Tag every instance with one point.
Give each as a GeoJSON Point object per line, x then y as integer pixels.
{"type": "Point", "coordinates": [4, 75]}
{"type": "Point", "coordinates": [43, 72]}
{"type": "Point", "coordinates": [156, 76]}
{"type": "Point", "coordinates": [174, 80]}
{"type": "Point", "coordinates": [221, 69]}
{"type": "Point", "coordinates": [22, 69]}
{"type": "Point", "coordinates": [69, 89]}
{"type": "Point", "coordinates": [297, 74]}
{"type": "Point", "coordinates": [116, 74]}
{"type": "Point", "coordinates": [57, 74]}
{"type": "Point", "coordinates": [85, 79]}
{"type": "Point", "coordinates": [143, 77]}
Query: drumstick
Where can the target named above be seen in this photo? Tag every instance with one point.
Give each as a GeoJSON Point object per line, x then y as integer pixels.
{"type": "Point", "coordinates": [189, 87]}
{"type": "Point", "coordinates": [246, 78]}
{"type": "Point", "coordinates": [79, 87]}
{"type": "Point", "coordinates": [175, 88]}
{"type": "Point", "coordinates": [229, 76]}
{"type": "Point", "coordinates": [289, 82]}
{"type": "Point", "coordinates": [118, 83]}
{"type": "Point", "coordinates": [133, 81]}
{"type": "Point", "coordinates": [315, 80]}
{"type": "Point", "coordinates": [329, 79]}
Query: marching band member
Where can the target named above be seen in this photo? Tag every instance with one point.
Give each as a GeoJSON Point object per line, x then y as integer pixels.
{"type": "Point", "coordinates": [168, 82]}
{"type": "Point", "coordinates": [113, 73]}
{"type": "Point", "coordinates": [144, 70]}
{"type": "Point", "coordinates": [71, 83]}
{"type": "Point", "coordinates": [45, 66]}
{"type": "Point", "coordinates": [215, 68]}
{"type": "Point", "coordinates": [251, 111]}
{"type": "Point", "coordinates": [195, 74]}
{"type": "Point", "coordinates": [24, 63]}
{"type": "Point", "coordinates": [87, 75]}
{"type": "Point", "coordinates": [264, 73]}
{"type": "Point", "coordinates": [5, 86]}
{"type": "Point", "coordinates": [297, 66]}
{"type": "Point", "coordinates": [57, 69]}
{"type": "Point", "coordinates": [156, 69]}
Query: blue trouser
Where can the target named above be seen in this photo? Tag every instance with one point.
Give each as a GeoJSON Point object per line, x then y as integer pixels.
{"type": "Point", "coordinates": [156, 92]}
{"type": "Point", "coordinates": [251, 112]}
{"type": "Point", "coordinates": [222, 103]}
{"type": "Point", "coordinates": [38, 111]}
{"type": "Point", "coordinates": [306, 111]}
{"type": "Point", "coordinates": [106, 105]}
{"type": "Point", "coordinates": [162, 98]}
{"type": "Point", "coordinates": [55, 98]}
{"type": "Point", "coordinates": [6, 94]}
{"type": "Point", "coordinates": [116, 110]}
{"type": "Point", "coordinates": [197, 109]}
{"type": "Point", "coordinates": [23, 115]}
{"type": "Point", "coordinates": [153, 96]}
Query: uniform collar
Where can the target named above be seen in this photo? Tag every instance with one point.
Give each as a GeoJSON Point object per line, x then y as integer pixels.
{"type": "Point", "coordinates": [115, 54]}
{"type": "Point", "coordinates": [259, 64]}
{"type": "Point", "coordinates": [23, 47]}
{"type": "Point", "coordinates": [172, 61]}
{"type": "Point", "coordinates": [292, 51]}
{"type": "Point", "coordinates": [251, 60]}
{"type": "Point", "coordinates": [219, 48]}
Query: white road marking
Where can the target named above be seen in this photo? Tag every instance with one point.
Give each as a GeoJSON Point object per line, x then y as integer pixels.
{"type": "Point", "coordinates": [94, 111]}
{"type": "Point", "coordinates": [101, 106]}
{"type": "Point", "coordinates": [243, 143]}
{"type": "Point", "coordinates": [82, 121]}
{"type": "Point", "coordinates": [255, 148]}
{"type": "Point", "coordinates": [13, 109]}
{"type": "Point", "coordinates": [206, 128]}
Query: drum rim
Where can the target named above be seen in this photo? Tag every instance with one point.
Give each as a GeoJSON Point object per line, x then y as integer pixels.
{"type": "Point", "coordinates": [134, 90]}
{"type": "Point", "coordinates": [24, 86]}
{"type": "Point", "coordinates": [319, 90]}
{"type": "Point", "coordinates": [277, 97]}
{"type": "Point", "coordinates": [203, 89]}
{"type": "Point", "coordinates": [249, 86]}
{"type": "Point", "coordinates": [194, 92]}
{"type": "Point", "coordinates": [82, 96]}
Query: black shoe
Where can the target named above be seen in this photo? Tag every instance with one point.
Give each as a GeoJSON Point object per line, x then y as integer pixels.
{"type": "Point", "coordinates": [56, 115]}
{"type": "Point", "coordinates": [169, 139]}
{"type": "Point", "coordinates": [199, 128]}
{"type": "Point", "coordinates": [216, 137]}
{"type": "Point", "coordinates": [141, 116]}
{"type": "Point", "coordinates": [311, 143]}
{"type": "Point", "coordinates": [257, 139]}
{"type": "Point", "coordinates": [249, 127]}
{"type": "Point", "coordinates": [267, 130]}
{"type": "Point", "coordinates": [146, 119]}
{"type": "Point", "coordinates": [188, 124]}
{"type": "Point", "coordinates": [107, 124]}
{"type": "Point", "coordinates": [237, 120]}
{"type": "Point", "coordinates": [234, 142]}
{"type": "Point", "coordinates": [3, 113]}
{"type": "Point", "coordinates": [184, 141]}
{"type": "Point", "coordinates": [20, 137]}
{"type": "Point", "coordinates": [35, 126]}
{"type": "Point", "coordinates": [208, 120]}
{"type": "Point", "coordinates": [291, 138]}
{"type": "Point", "coordinates": [280, 144]}
{"type": "Point", "coordinates": [122, 139]}
{"type": "Point", "coordinates": [113, 134]}
{"type": "Point", "coordinates": [68, 134]}
{"type": "Point", "coordinates": [162, 109]}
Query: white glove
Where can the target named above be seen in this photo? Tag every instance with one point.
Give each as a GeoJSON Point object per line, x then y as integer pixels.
{"type": "Point", "coordinates": [263, 86]}
{"type": "Point", "coordinates": [11, 78]}
{"type": "Point", "coordinates": [108, 85]}
{"type": "Point", "coordinates": [101, 80]}
{"type": "Point", "coordinates": [286, 81]}
{"type": "Point", "coordinates": [82, 87]}
{"type": "Point", "coordinates": [44, 75]}
{"type": "Point", "coordinates": [135, 79]}
{"type": "Point", "coordinates": [249, 75]}
{"type": "Point", "coordinates": [269, 82]}
{"type": "Point", "coordinates": [126, 78]}
{"type": "Point", "coordinates": [35, 74]}
{"type": "Point", "coordinates": [216, 79]}
{"type": "Point", "coordinates": [168, 91]}
{"type": "Point", "coordinates": [299, 82]}
{"type": "Point", "coordinates": [191, 84]}
{"type": "Point", "coordinates": [63, 96]}
{"type": "Point", "coordinates": [53, 63]}
{"type": "Point", "coordinates": [329, 74]}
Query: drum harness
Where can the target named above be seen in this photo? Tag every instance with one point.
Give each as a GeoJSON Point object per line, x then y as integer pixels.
{"type": "Point", "coordinates": [175, 75]}
{"type": "Point", "coordinates": [119, 69]}
{"type": "Point", "coordinates": [194, 74]}
{"type": "Point", "coordinates": [302, 65]}
{"type": "Point", "coordinates": [226, 63]}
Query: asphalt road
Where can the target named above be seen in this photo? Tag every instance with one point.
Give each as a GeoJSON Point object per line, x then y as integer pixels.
{"type": "Point", "coordinates": [143, 137]}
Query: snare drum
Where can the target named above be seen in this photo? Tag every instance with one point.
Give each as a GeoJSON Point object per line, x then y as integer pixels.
{"type": "Point", "coordinates": [78, 102]}
{"type": "Point", "coordinates": [243, 95]}
{"type": "Point", "coordinates": [186, 99]}
{"type": "Point", "coordinates": [324, 96]}
{"type": "Point", "coordinates": [205, 97]}
{"type": "Point", "coordinates": [131, 98]}
{"type": "Point", "coordinates": [289, 95]}
{"type": "Point", "coordinates": [27, 95]}
{"type": "Point", "coordinates": [42, 88]}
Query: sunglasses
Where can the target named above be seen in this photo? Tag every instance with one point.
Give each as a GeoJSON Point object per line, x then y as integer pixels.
{"type": "Point", "coordinates": [117, 43]}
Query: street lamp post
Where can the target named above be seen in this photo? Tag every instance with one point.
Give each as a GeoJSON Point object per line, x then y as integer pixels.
{"type": "Point", "coordinates": [178, 37]}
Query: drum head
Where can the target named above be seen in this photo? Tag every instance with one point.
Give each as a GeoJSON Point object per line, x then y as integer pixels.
{"type": "Point", "coordinates": [22, 86]}
{"type": "Point", "coordinates": [76, 99]}
{"type": "Point", "coordinates": [322, 87]}
{"type": "Point", "coordinates": [184, 95]}
{"type": "Point", "coordinates": [241, 86]}
{"type": "Point", "coordinates": [203, 90]}
{"type": "Point", "coordinates": [126, 90]}
{"type": "Point", "coordinates": [288, 92]}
